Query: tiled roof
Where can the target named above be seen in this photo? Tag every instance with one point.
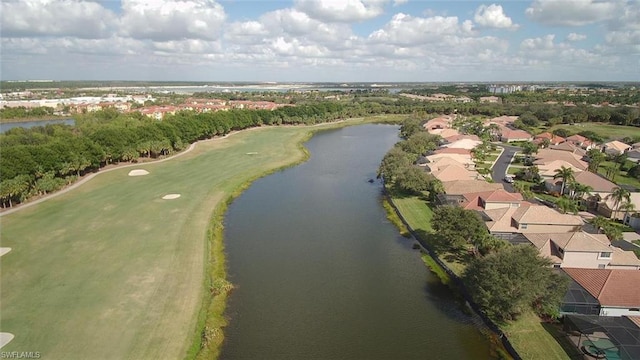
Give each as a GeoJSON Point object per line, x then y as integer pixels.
{"type": "Point", "coordinates": [452, 151]}
{"type": "Point", "coordinates": [624, 258]}
{"type": "Point", "coordinates": [577, 138]}
{"type": "Point", "coordinates": [546, 156]}
{"type": "Point", "coordinates": [617, 145]}
{"type": "Point", "coordinates": [567, 146]}
{"type": "Point", "coordinates": [453, 172]}
{"type": "Point", "coordinates": [539, 214]}
{"type": "Point", "coordinates": [459, 187]}
{"type": "Point", "coordinates": [597, 182]}
{"type": "Point", "coordinates": [457, 142]}
{"type": "Point", "coordinates": [635, 320]}
{"type": "Point", "coordinates": [444, 133]}
{"type": "Point", "coordinates": [514, 134]}
{"type": "Point", "coordinates": [549, 169]}
{"type": "Point", "coordinates": [501, 196]}
{"type": "Point", "coordinates": [619, 288]}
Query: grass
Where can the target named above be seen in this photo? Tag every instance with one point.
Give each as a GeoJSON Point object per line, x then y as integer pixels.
{"type": "Point", "coordinates": [514, 170]}
{"type": "Point", "coordinates": [532, 341]}
{"type": "Point", "coordinates": [547, 197]}
{"type": "Point", "coordinates": [111, 270]}
{"type": "Point", "coordinates": [491, 158]}
{"type": "Point", "coordinates": [607, 131]}
{"type": "Point", "coordinates": [436, 269]}
{"type": "Point", "coordinates": [637, 242]}
{"type": "Point", "coordinates": [621, 178]}
{"type": "Point", "coordinates": [395, 219]}
{"type": "Point", "coordinates": [416, 213]}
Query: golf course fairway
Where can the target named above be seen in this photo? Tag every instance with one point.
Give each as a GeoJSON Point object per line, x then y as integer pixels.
{"type": "Point", "coordinates": [113, 270]}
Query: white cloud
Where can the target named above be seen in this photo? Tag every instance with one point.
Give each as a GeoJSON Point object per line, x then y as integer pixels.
{"type": "Point", "coordinates": [572, 13]}
{"type": "Point", "coordinates": [399, 2]}
{"type": "Point", "coordinates": [405, 29]}
{"type": "Point", "coordinates": [341, 10]}
{"type": "Point", "coordinates": [164, 20]}
{"type": "Point", "coordinates": [82, 19]}
{"type": "Point", "coordinates": [493, 16]}
{"type": "Point", "coordinates": [576, 37]}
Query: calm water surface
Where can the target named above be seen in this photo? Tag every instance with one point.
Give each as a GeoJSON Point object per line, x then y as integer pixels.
{"type": "Point", "coordinates": [320, 273]}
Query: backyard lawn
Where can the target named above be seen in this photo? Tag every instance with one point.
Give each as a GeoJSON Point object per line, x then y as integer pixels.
{"type": "Point", "coordinates": [110, 269]}
{"type": "Point", "coordinates": [621, 178]}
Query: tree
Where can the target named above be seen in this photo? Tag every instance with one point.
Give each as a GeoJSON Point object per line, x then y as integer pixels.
{"type": "Point", "coordinates": [613, 232]}
{"type": "Point", "coordinates": [619, 196]}
{"type": "Point", "coordinates": [413, 180]}
{"type": "Point", "coordinates": [564, 173]}
{"type": "Point", "coordinates": [512, 281]}
{"type": "Point", "coordinates": [409, 127]}
{"type": "Point", "coordinates": [596, 157]}
{"type": "Point", "coordinates": [577, 190]}
{"type": "Point", "coordinates": [566, 205]}
{"type": "Point", "coordinates": [627, 207]}
{"type": "Point", "coordinates": [458, 226]}
{"type": "Point", "coordinates": [529, 149]}
{"type": "Point", "coordinates": [599, 222]}
{"type": "Point", "coordinates": [392, 165]}
{"type": "Point", "coordinates": [419, 144]}
{"type": "Point", "coordinates": [561, 132]}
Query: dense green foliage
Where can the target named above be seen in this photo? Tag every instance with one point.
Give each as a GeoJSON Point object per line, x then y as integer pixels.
{"type": "Point", "coordinates": [513, 280]}
{"type": "Point", "coordinates": [23, 112]}
{"type": "Point", "coordinates": [42, 159]}
{"type": "Point", "coordinates": [458, 226]}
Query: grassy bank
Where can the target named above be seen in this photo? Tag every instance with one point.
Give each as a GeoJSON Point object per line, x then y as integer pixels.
{"type": "Point", "coordinates": [395, 220]}
{"type": "Point", "coordinates": [527, 335]}
{"type": "Point", "coordinates": [112, 270]}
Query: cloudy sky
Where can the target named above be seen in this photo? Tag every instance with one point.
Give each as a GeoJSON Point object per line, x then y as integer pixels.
{"type": "Point", "coordinates": [321, 40]}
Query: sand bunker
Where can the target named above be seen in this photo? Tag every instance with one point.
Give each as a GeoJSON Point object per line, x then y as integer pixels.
{"type": "Point", "coordinates": [5, 338]}
{"type": "Point", "coordinates": [138, 172]}
{"type": "Point", "coordinates": [252, 153]}
{"type": "Point", "coordinates": [170, 196]}
{"type": "Point", "coordinates": [4, 250]}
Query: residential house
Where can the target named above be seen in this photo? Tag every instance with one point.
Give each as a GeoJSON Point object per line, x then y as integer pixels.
{"type": "Point", "coordinates": [455, 190]}
{"type": "Point", "coordinates": [634, 155]}
{"type": "Point", "coordinates": [567, 146]}
{"type": "Point", "coordinates": [616, 291]}
{"type": "Point", "coordinates": [444, 133]}
{"type": "Point", "coordinates": [463, 142]}
{"type": "Point", "coordinates": [553, 139]}
{"type": "Point", "coordinates": [451, 172]}
{"type": "Point", "coordinates": [580, 141]}
{"type": "Point", "coordinates": [490, 99]}
{"type": "Point", "coordinates": [615, 147]}
{"type": "Point", "coordinates": [600, 186]}
{"type": "Point", "coordinates": [582, 250]}
{"type": "Point", "coordinates": [545, 157]}
{"type": "Point", "coordinates": [509, 135]}
{"type": "Point", "coordinates": [607, 207]}
{"type": "Point", "coordinates": [494, 199]}
{"type": "Point", "coordinates": [635, 145]}
{"type": "Point", "coordinates": [464, 159]}
{"type": "Point", "coordinates": [442, 122]}
{"type": "Point", "coordinates": [457, 151]}
{"type": "Point", "coordinates": [502, 121]}
{"type": "Point", "coordinates": [529, 218]}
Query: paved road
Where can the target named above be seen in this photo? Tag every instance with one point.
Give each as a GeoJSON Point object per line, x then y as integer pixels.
{"type": "Point", "coordinates": [500, 168]}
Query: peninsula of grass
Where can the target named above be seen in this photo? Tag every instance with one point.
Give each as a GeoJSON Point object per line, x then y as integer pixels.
{"type": "Point", "coordinates": [111, 270]}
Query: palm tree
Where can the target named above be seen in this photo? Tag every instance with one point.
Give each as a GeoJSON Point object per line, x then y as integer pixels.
{"type": "Point", "coordinates": [566, 205]}
{"type": "Point", "coordinates": [579, 190]}
{"type": "Point", "coordinates": [619, 196]}
{"type": "Point", "coordinates": [566, 174]}
{"type": "Point", "coordinates": [599, 222]}
{"type": "Point", "coordinates": [627, 207]}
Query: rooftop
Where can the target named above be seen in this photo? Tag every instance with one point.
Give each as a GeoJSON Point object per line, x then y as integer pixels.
{"type": "Point", "coordinates": [616, 288]}
{"type": "Point", "coordinates": [540, 214]}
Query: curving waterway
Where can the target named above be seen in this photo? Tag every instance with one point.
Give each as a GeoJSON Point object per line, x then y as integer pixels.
{"type": "Point", "coordinates": [320, 273]}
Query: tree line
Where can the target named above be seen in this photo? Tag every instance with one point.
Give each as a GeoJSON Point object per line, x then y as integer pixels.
{"type": "Point", "coordinates": [43, 159]}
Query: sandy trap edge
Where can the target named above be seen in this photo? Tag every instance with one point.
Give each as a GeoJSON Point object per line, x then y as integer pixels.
{"type": "Point", "coordinates": [170, 196]}
{"type": "Point", "coordinates": [138, 172]}
{"type": "Point", "coordinates": [5, 338]}
{"type": "Point", "coordinates": [4, 250]}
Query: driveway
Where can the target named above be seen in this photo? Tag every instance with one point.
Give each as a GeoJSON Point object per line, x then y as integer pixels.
{"type": "Point", "coordinates": [500, 168]}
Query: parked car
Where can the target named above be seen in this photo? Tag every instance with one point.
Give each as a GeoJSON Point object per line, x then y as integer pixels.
{"type": "Point", "coordinates": [508, 179]}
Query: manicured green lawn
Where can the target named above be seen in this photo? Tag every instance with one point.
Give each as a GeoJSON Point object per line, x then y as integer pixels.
{"type": "Point", "coordinates": [547, 197]}
{"type": "Point", "coordinates": [110, 270]}
{"type": "Point", "coordinates": [532, 341]}
{"type": "Point", "coordinates": [621, 178]}
{"type": "Point", "coordinates": [607, 131]}
{"type": "Point", "coordinates": [416, 212]}
{"type": "Point", "coordinates": [491, 158]}
{"type": "Point", "coordinates": [514, 170]}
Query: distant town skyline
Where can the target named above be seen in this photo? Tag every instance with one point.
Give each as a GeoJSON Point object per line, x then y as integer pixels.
{"type": "Point", "coordinates": [321, 41]}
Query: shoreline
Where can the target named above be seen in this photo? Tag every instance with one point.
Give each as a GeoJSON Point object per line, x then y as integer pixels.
{"type": "Point", "coordinates": [36, 118]}
{"type": "Point", "coordinates": [211, 320]}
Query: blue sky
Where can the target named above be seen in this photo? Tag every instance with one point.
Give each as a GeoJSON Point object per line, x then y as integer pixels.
{"type": "Point", "coordinates": [321, 40]}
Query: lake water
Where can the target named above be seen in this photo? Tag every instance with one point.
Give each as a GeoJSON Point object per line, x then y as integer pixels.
{"type": "Point", "coordinates": [320, 273]}
{"type": "Point", "coordinates": [29, 124]}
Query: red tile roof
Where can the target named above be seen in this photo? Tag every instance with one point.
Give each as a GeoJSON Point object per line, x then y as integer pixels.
{"type": "Point", "coordinates": [452, 151]}
{"type": "Point", "coordinates": [620, 288]}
